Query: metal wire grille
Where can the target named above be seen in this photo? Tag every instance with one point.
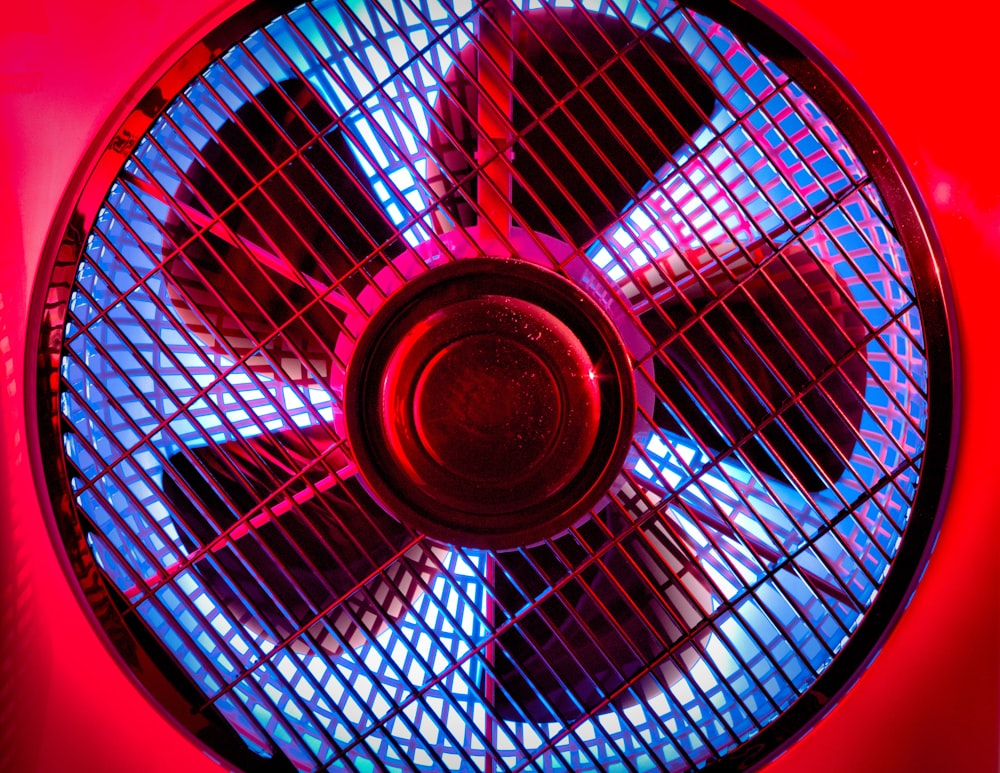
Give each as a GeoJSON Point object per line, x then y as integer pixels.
{"type": "Point", "coordinates": [780, 360]}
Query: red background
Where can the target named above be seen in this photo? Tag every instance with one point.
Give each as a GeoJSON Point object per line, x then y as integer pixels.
{"type": "Point", "coordinates": [930, 700]}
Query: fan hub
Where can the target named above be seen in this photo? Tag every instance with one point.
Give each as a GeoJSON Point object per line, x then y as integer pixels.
{"type": "Point", "coordinates": [489, 403]}
{"type": "Point", "coordinates": [504, 391]}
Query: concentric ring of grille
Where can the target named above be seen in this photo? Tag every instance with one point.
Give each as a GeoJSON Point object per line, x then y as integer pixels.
{"type": "Point", "coordinates": [756, 271]}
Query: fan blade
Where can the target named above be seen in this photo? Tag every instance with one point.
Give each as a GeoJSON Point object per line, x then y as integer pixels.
{"type": "Point", "coordinates": [569, 653]}
{"type": "Point", "coordinates": [331, 548]}
{"type": "Point", "coordinates": [779, 332]}
{"type": "Point", "coordinates": [256, 246]}
{"type": "Point", "coordinates": [583, 146]}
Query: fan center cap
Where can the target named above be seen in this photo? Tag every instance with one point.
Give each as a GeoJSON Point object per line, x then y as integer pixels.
{"type": "Point", "coordinates": [501, 396]}
{"type": "Point", "coordinates": [489, 403]}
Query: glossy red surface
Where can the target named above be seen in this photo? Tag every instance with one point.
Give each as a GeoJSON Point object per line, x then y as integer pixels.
{"type": "Point", "coordinates": [929, 702]}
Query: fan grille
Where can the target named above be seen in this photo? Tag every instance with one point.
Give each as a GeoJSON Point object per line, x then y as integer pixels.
{"type": "Point", "coordinates": [771, 295]}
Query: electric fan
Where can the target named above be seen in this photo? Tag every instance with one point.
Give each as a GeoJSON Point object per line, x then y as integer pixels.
{"type": "Point", "coordinates": [500, 385]}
